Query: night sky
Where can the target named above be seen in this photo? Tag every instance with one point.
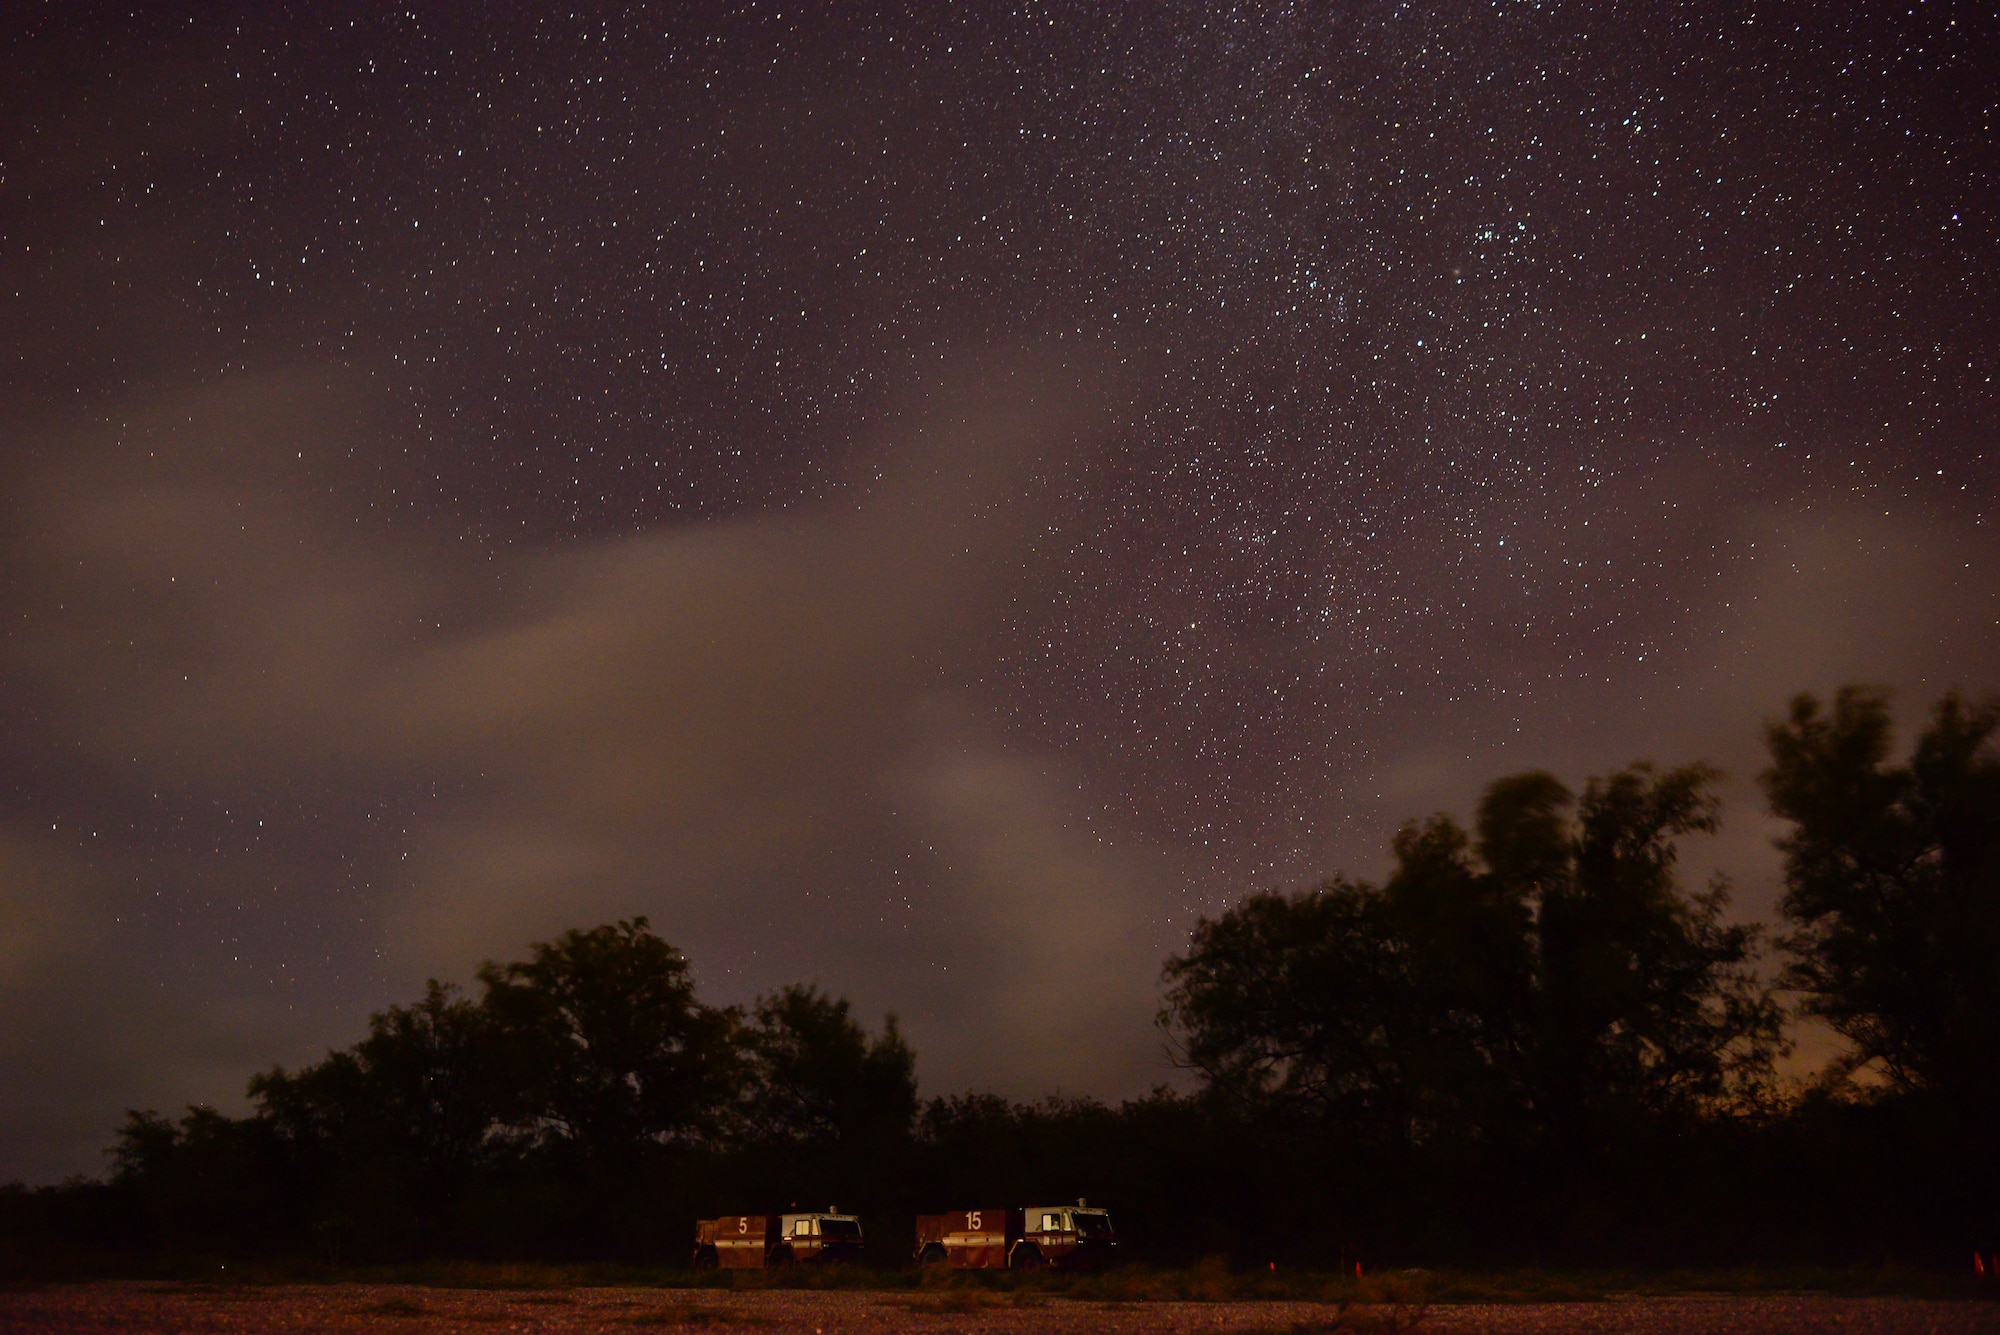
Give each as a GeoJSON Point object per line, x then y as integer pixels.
{"type": "Point", "coordinates": [928, 502]}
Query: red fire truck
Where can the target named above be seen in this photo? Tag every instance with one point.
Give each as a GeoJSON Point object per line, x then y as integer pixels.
{"type": "Point", "coordinates": [1059, 1237]}
{"type": "Point", "coordinates": [754, 1241]}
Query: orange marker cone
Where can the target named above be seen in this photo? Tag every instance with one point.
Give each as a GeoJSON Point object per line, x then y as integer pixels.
{"type": "Point", "coordinates": [1978, 1266]}
{"type": "Point", "coordinates": [1357, 1270]}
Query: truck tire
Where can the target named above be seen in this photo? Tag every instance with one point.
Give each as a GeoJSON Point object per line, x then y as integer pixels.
{"type": "Point", "coordinates": [1027, 1257]}
{"type": "Point", "coordinates": [934, 1255]}
{"type": "Point", "coordinates": [706, 1259]}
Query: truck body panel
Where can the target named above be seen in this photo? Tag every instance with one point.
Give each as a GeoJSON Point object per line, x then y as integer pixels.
{"type": "Point", "coordinates": [736, 1241]}
{"type": "Point", "coordinates": [968, 1239]}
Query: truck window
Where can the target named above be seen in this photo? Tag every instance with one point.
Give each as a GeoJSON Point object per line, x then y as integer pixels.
{"type": "Point", "coordinates": [1096, 1224]}
{"type": "Point", "coordinates": [840, 1228]}
{"type": "Point", "coordinates": [1051, 1223]}
{"type": "Point", "coordinates": [802, 1228]}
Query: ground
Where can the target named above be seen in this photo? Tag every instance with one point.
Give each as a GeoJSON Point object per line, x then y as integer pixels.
{"type": "Point", "coordinates": [197, 1309]}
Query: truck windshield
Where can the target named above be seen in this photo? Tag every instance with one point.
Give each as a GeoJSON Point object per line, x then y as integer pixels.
{"type": "Point", "coordinates": [1095, 1224]}
{"type": "Point", "coordinates": [840, 1228]}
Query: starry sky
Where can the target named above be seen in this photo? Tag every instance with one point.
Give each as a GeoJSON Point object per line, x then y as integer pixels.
{"type": "Point", "coordinates": [928, 501]}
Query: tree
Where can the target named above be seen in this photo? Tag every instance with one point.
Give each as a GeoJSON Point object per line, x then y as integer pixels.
{"type": "Point", "coordinates": [1647, 1001]}
{"type": "Point", "coordinates": [206, 1181]}
{"type": "Point", "coordinates": [1892, 879]}
{"type": "Point", "coordinates": [821, 1081]}
{"type": "Point", "coordinates": [384, 1141]}
{"type": "Point", "coordinates": [1300, 1004]}
{"type": "Point", "coordinates": [441, 1074]}
{"type": "Point", "coordinates": [1554, 976]}
{"type": "Point", "coordinates": [427, 1089]}
{"type": "Point", "coordinates": [610, 1048]}
{"type": "Point", "coordinates": [1469, 939]}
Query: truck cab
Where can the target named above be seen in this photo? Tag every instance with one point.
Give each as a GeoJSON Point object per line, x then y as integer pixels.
{"type": "Point", "coordinates": [821, 1236]}
{"type": "Point", "coordinates": [1064, 1237]}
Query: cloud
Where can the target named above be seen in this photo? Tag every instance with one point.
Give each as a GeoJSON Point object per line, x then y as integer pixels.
{"type": "Point", "coordinates": [301, 757]}
{"type": "Point", "coordinates": [744, 729]}
{"type": "Point", "coordinates": [1055, 937]}
{"type": "Point", "coordinates": [45, 936]}
{"type": "Point", "coordinates": [38, 923]}
{"type": "Point", "coordinates": [81, 1034]}
{"type": "Point", "coordinates": [181, 602]}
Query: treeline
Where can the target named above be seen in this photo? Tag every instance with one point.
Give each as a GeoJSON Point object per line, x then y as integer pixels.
{"type": "Point", "coordinates": [581, 1106]}
{"type": "Point", "coordinates": [1530, 1042]}
{"type": "Point", "coordinates": [1533, 1037]}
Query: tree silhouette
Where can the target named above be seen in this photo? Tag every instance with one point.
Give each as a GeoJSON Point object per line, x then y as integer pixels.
{"type": "Point", "coordinates": [1555, 979]}
{"type": "Point", "coordinates": [1647, 1000]}
{"type": "Point", "coordinates": [1892, 878]}
{"type": "Point", "coordinates": [1302, 1005]}
{"type": "Point", "coordinates": [609, 1046]}
{"type": "Point", "coordinates": [427, 1088]}
{"type": "Point", "coordinates": [821, 1081]}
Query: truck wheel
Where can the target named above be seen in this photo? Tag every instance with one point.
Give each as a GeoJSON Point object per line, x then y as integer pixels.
{"type": "Point", "coordinates": [705, 1259]}
{"type": "Point", "coordinates": [1027, 1258]}
{"type": "Point", "coordinates": [784, 1258]}
{"type": "Point", "coordinates": [934, 1255]}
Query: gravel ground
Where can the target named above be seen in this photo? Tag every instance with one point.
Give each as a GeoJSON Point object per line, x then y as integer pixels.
{"type": "Point", "coordinates": [180, 1309]}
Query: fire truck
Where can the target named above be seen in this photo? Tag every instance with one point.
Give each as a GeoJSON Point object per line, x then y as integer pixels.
{"type": "Point", "coordinates": [1056, 1237]}
{"type": "Point", "coordinates": [757, 1241]}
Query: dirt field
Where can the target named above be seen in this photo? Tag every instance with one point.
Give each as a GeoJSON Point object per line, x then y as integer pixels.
{"type": "Point", "coordinates": [182, 1309]}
